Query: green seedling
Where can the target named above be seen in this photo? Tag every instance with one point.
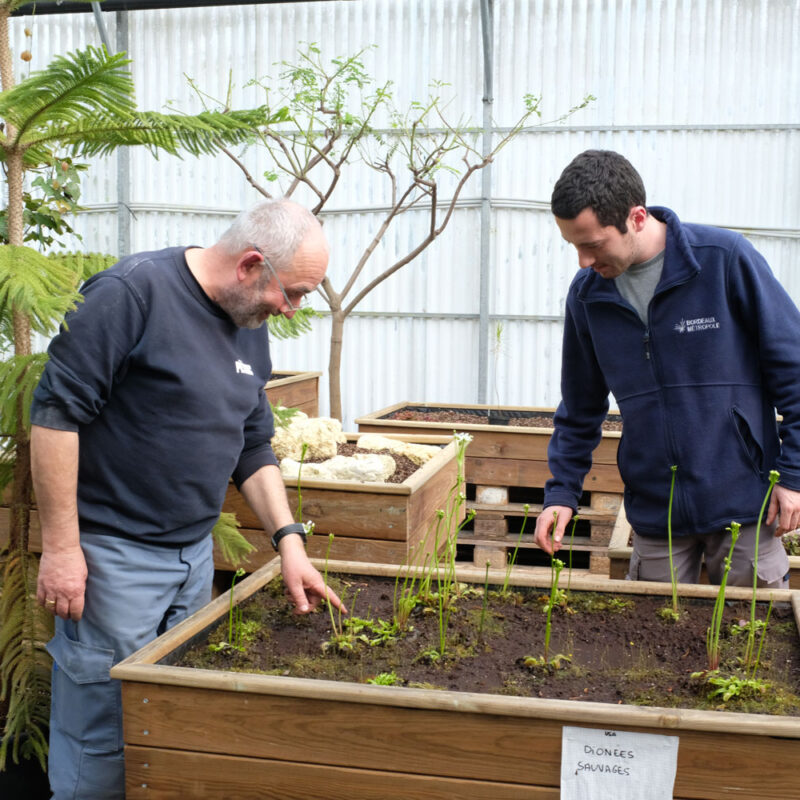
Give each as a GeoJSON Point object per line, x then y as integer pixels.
{"type": "Point", "coordinates": [774, 476]}
{"type": "Point", "coordinates": [712, 634]}
{"type": "Point", "coordinates": [234, 623]}
{"type": "Point", "coordinates": [558, 661]}
{"type": "Point", "coordinates": [513, 559]}
{"type": "Point", "coordinates": [761, 640]}
{"type": "Point", "coordinates": [556, 565]}
{"type": "Point", "coordinates": [341, 639]}
{"type": "Point", "coordinates": [733, 686]}
{"type": "Point", "coordinates": [673, 574]}
{"type": "Point", "coordinates": [385, 679]}
{"type": "Point", "coordinates": [299, 514]}
{"type": "Point", "coordinates": [485, 604]}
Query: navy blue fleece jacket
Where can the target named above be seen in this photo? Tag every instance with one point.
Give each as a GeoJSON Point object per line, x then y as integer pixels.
{"type": "Point", "coordinates": [166, 395]}
{"type": "Point", "coordinates": [697, 386]}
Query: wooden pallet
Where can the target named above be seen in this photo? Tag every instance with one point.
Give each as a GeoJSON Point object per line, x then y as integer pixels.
{"type": "Point", "coordinates": [492, 541]}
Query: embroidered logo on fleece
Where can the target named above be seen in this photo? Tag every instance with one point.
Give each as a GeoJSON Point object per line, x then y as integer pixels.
{"type": "Point", "coordinates": [695, 325]}
{"type": "Point", "coordinates": [243, 369]}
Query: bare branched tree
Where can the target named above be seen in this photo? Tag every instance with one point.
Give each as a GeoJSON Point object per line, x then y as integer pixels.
{"type": "Point", "coordinates": [425, 158]}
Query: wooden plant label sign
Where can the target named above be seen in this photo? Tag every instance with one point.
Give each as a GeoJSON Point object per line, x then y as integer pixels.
{"type": "Point", "coordinates": [619, 764]}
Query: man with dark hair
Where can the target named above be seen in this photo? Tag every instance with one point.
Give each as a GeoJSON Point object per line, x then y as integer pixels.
{"type": "Point", "coordinates": [698, 342]}
{"type": "Point", "coordinates": [153, 397]}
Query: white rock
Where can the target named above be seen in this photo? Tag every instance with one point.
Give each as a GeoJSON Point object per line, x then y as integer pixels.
{"type": "Point", "coordinates": [363, 467]}
{"type": "Point", "coordinates": [321, 434]}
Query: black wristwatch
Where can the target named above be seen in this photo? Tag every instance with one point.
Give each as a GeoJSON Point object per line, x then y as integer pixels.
{"type": "Point", "coordinates": [294, 527]}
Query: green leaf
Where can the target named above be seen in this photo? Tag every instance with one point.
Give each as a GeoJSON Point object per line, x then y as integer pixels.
{"type": "Point", "coordinates": [41, 288]}
{"type": "Point", "coordinates": [86, 83]}
{"type": "Point", "coordinates": [281, 327]}
{"type": "Point", "coordinates": [19, 377]}
{"type": "Point", "coordinates": [234, 547]}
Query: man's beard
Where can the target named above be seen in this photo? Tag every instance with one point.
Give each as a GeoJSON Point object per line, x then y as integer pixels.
{"type": "Point", "coordinates": [238, 303]}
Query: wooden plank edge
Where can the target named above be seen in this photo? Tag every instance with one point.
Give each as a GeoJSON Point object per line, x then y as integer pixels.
{"type": "Point", "coordinates": [292, 376]}
{"type": "Point", "coordinates": [605, 714]}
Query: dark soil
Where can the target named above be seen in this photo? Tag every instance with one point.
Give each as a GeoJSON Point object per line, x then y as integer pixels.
{"type": "Point", "coordinates": [519, 419]}
{"type": "Point", "coordinates": [404, 466]}
{"type": "Point", "coordinates": [620, 649]}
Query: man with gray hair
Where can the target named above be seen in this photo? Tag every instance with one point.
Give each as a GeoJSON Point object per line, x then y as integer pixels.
{"type": "Point", "coordinates": [153, 397]}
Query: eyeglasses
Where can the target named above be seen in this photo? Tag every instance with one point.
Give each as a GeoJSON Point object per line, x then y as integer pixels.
{"type": "Point", "coordinates": [274, 272]}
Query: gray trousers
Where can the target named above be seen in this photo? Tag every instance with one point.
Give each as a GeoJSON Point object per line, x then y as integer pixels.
{"type": "Point", "coordinates": [134, 592]}
{"type": "Point", "coordinates": [650, 558]}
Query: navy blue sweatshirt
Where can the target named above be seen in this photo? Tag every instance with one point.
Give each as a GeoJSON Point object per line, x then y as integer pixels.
{"type": "Point", "coordinates": [166, 394]}
{"type": "Point", "coordinates": [697, 386]}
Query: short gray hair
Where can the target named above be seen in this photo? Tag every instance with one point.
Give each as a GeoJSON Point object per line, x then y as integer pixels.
{"type": "Point", "coordinates": [276, 226]}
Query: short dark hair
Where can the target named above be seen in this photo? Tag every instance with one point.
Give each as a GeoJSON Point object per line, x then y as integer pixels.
{"type": "Point", "coordinates": [601, 180]}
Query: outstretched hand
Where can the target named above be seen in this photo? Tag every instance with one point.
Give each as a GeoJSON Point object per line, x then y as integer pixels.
{"type": "Point", "coordinates": [555, 519]}
{"type": "Point", "coordinates": [784, 505]}
{"type": "Point", "coordinates": [304, 585]}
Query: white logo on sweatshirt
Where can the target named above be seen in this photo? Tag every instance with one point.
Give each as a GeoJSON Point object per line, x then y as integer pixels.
{"type": "Point", "coordinates": [243, 369]}
{"type": "Point", "coordinates": [694, 325]}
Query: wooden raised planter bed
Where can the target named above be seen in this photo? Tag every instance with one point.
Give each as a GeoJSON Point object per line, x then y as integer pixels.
{"type": "Point", "coordinates": [502, 454]}
{"type": "Point", "coordinates": [295, 390]}
{"type": "Point", "coordinates": [375, 522]}
{"type": "Point", "coordinates": [195, 733]}
{"type": "Point", "coordinates": [620, 549]}
{"type": "Point", "coordinates": [503, 458]}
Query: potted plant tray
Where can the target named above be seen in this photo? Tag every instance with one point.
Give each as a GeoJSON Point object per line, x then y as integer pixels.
{"type": "Point", "coordinates": [620, 549]}
{"type": "Point", "coordinates": [386, 523]}
{"type": "Point", "coordinates": [298, 390]}
{"type": "Point", "coordinates": [501, 454]}
{"type": "Point", "coordinates": [195, 733]}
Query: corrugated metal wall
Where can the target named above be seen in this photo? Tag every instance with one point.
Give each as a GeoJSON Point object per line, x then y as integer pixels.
{"type": "Point", "coordinates": [702, 95]}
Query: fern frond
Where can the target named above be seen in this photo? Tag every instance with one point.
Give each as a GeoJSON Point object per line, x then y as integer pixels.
{"type": "Point", "coordinates": [83, 265]}
{"type": "Point", "coordinates": [6, 461]}
{"type": "Point", "coordinates": [234, 547]}
{"type": "Point", "coordinates": [86, 83]}
{"type": "Point", "coordinates": [19, 377]}
{"type": "Point", "coordinates": [24, 663]}
{"type": "Point", "coordinates": [281, 327]}
{"type": "Point", "coordinates": [41, 288]}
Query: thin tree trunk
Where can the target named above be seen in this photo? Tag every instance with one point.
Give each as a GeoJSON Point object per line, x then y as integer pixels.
{"type": "Point", "coordinates": [335, 363]}
{"type": "Point", "coordinates": [19, 523]}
